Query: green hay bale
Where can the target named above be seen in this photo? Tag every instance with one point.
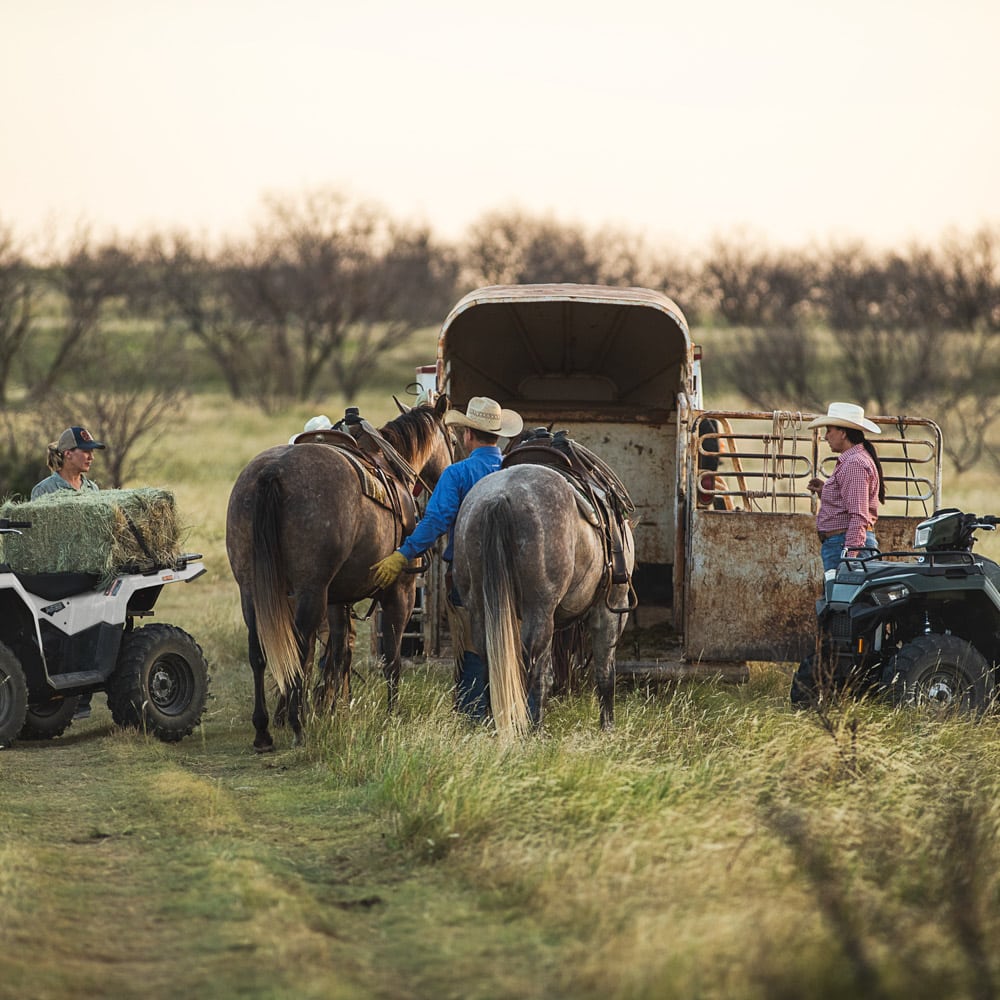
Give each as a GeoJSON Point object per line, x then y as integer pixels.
{"type": "Point", "coordinates": [92, 532]}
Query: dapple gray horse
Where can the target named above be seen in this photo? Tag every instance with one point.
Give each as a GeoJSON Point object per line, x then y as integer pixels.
{"type": "Point", "coordinates": [527, 563]}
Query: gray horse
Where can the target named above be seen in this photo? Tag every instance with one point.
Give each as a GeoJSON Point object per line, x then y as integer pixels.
{"type": "Point", "coordinates": [528, 563]}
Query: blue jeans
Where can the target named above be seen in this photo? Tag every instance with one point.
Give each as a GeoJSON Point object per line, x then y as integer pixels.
{"type": "Point", "coordinates": [472, 693]}
{"type": "Point", "coordinates": [834, 546]}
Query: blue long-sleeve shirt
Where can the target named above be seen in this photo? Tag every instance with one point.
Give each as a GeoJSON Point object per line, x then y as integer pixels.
{"type": "Point", "coordinates": [442, 508]}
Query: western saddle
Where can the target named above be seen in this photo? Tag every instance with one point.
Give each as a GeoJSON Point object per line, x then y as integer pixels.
{"type": "Point", "coordinates": [600, 494]}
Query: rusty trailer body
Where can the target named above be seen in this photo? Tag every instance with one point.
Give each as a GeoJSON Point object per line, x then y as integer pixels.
{"type": "Point", "coordinates": [728, 564]}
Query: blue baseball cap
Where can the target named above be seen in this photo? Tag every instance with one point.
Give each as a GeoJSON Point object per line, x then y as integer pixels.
{"type": "Point", "coordinates": [77, 437]}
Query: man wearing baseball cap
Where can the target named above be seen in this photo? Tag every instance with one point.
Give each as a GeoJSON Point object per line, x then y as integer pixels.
{"type": "Point", "coordinates": [70, 459]}
{"type": "Point", "coordinates": [484, 422]}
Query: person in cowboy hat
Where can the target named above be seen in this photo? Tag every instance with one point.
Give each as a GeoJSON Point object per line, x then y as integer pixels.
{"type": "Point", "coordinates": [70, 459]}
{"type": "Point", "coordinates": [850, 497]}
{"type": "Point", "coordinates": [484, 422]}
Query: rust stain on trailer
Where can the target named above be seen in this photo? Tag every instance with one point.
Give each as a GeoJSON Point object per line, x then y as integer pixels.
{"type": "Point", "coordinates": [752, 585]}
{"type": "Point", "coordinates": [753, 581]}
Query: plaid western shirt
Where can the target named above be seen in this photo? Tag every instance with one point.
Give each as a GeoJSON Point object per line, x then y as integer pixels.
{"type": "Point", "coordinates": [849, 501]}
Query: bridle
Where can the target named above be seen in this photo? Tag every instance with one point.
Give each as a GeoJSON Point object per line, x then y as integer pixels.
{"type": "Point", "coordinates": [409, 476]}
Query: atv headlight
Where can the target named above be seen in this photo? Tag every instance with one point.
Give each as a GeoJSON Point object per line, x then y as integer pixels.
{"type": "Point", "coordinates": [922, 536]}
{"type": "Point", "coordinates": [886, 595]}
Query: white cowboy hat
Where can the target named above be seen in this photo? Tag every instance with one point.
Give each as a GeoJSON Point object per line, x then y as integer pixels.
{"type": "Point", "coordinates": [846, 415]}
{"type": "Point", "coordinates": [320, 423]}
{"type": "Point", "coordinates": [485, 414]}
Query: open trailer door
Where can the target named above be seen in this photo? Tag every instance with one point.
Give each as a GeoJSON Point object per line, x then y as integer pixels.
{"type": "Point", "coordinates": [752, 568]}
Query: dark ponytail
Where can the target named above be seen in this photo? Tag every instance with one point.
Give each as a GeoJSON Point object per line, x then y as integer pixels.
{"type": "Point", "coordinates": [856, 436]}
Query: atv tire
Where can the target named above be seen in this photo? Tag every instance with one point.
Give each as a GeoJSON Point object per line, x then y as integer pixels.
{"type": "Point", "coordinates": [805, 693]}
{"type": "Point", "coordinates": [13, 697]}
{"type": "Point", "coordinates": [47, 719]}
{"type": "Point", "coordinates": [160, 685]}
{"type": "Point", "coordinates": [943, 672]}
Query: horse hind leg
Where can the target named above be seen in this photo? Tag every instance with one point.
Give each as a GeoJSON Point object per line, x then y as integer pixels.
{"type": "Point", "coordinates": [537, 656]}
{"type": "Point", "coordinates": [397, 605]}
{"type": "Point", "coordinates": [605, 629]}
{"type": "Point", "coordinates": [539, 688]}
{"type": "Point", "coordinates": [263, 741]}
{"type": "Point", "coordinates": [309, 608]}
{"type": "Point", "coordinates": [338, 655]}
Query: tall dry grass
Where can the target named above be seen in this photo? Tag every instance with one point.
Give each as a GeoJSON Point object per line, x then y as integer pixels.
{"type": "Point", "coordinates": [716, 844]}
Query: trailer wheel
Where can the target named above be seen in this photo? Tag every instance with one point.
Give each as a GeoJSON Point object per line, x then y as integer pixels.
{"type": "Point", "coordinates": [160, 684]}
{"type": "Point", "coordinates": [943, 672]}
{"type": "Point", "coordinates": [47, 719]}
{"type": "Point", "coordinates": [13, 697]}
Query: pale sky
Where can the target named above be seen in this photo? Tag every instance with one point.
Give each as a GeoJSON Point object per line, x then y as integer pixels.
{"type": "Point", "coordinates": [790, 120]}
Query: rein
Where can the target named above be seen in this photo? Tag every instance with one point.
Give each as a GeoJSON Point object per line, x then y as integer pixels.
{"type": "Point", "coordinates": [400, 466]}
{"type": "Point", "coordinates": [409, 477]}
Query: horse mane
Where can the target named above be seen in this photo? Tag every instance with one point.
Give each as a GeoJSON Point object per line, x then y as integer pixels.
{"type": "Point", "coordinates": [411, 433]}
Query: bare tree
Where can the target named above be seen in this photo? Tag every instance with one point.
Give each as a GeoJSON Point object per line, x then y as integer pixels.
{"type": "Point", "coordinates": [120, 406]}
{"type": "Point", "coordinates": [970, 280]}
{"type": "Point", "coordinates": [201, 295]}
{"type": "Point", "coordinates": [334, 285]}
{"type": "Point", "coordinates": [513, 248]}
{"type": "Point", "coordinates": [88, 277]}
{"type": "Point", "coordinates": [965, 401]}
{"type": "Point", "coordinates": [22, 454]}
{"type": "Point", "coordinates": [753, 286]}
{"type": "Point", "coordinates": [17, 294]}
{"type": "Point", "coordinates": [777, 368]}
{"type": "Point", "coordinates": [885, 334]}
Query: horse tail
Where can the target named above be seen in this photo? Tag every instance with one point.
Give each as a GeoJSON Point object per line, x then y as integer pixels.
{"type": "Point", "coordinates": [268, 587]}
{"type": "Point", "coordinates": [508, 698]}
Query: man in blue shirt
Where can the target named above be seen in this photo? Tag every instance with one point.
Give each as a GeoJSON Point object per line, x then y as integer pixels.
{"type": "Point", "coordinates": [482, 424]}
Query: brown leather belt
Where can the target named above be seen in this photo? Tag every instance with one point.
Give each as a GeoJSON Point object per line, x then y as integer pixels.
{"type": "Point", "coordinates": [824, 535]}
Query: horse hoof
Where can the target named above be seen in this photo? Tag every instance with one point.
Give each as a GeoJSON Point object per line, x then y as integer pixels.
{"type": "Point", "coordinates": [263, 747]}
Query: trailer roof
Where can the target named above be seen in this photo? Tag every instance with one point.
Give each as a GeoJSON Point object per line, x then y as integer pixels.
{"type": "Point", "coordinates": [566, 344]}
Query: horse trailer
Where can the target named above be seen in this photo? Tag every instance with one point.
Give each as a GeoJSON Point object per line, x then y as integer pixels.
{"type": "Point", "coordinates": [727, 558]}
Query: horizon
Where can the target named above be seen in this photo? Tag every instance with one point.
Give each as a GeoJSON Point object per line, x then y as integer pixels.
{"type": "Point", "coordinates": [786, 124]}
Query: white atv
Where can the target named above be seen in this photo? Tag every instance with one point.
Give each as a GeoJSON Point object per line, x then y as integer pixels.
{"type": "Point", "coordinates": [65, 634]}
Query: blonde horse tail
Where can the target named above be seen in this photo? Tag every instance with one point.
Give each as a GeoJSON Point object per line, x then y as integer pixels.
{"type": "Point", "coordinates": [508, 698]}
{"type": "Point", "coordinates": [268, 589]}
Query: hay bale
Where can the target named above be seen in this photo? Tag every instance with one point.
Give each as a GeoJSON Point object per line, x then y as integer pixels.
{"type": "Point", "coordinates": [93, 532]}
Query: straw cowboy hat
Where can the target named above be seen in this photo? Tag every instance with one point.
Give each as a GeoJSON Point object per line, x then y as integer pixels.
{"type": "Point", "coordinates": [846, 415]}
{"type": "Point", "coordinates": [485, 414]}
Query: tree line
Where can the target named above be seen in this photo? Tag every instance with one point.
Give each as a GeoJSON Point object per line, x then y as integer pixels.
{"type": "Point", "coordinates": [323, 287]}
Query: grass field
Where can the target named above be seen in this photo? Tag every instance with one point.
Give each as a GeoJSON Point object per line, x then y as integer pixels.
{"type": "Point", "coordinates": [716, 844]}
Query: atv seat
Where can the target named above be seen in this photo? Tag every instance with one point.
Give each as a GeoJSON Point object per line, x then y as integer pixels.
{"type": "Point", "coordinates": [55, 586]}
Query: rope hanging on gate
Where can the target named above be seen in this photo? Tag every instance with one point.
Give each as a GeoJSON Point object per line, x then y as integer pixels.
{"type": "Point", "coordinates": [781, 420]}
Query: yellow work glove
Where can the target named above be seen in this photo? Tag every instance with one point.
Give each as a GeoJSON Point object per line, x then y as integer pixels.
{"type": "Point", "coordinates": [386, 570]}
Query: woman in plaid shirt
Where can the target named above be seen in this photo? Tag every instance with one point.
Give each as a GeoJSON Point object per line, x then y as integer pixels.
{"type": "Point", "coordinates": [850, 498]}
